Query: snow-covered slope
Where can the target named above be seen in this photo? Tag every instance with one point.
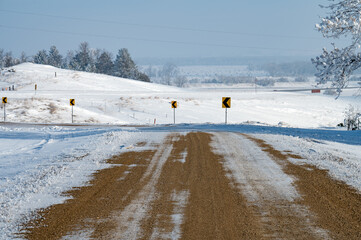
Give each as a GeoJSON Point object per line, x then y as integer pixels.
{"type": "Point", "coordinates": [105, 99]}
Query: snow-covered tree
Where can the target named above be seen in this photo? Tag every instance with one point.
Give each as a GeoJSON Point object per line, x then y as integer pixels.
{"type": "Point", "coordinates": [143, 77]}
{"type": "Point", "coordinates": [94, 55]}
{"type": "Point", "coordinates": [41, 57]}
{"type": "Point", "coordinates": [23, 57]}
{"type": "Point", "coordinates": [82, 59]}
{"type": "Point", "coordinates": [104, 63]}
{"type": "Point", "coordinates": [8, 60]}
{"type": "Point", "coordinates": [124, 66]}
{"type": "Point", "coordinates": [181, 81]}
{"type": "Point", "coordinates": [54, 57]}
{"type": "Point", "coordinates": [352, 118]}
{"type": "Point", "coordinates": [168, 73]}
{"type": "Point", "coordinates": [1, 58]}
{"type": "Point", "coordinates": [338, 64]}
{"type": "Point", "coordinates": [68, 59]}
{"type": "Point", "coordinates": [150, 71]}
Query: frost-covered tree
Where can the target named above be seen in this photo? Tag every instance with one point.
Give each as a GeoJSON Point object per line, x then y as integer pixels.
{"type": "Point", "coordinates": [352, 118]}
{"type": "Point", "coordinates": [94, 55]}
{"type": "Point", "coordinates": [181, 81]}
{"type": "Point", "coordinates": [8, 59]}
{"type": "Point", "coordinates": [104, 63]}
{"type": "Point", "coordinates": [168, 73]}
{"type": "Point", "coordinates": [41, 57]}
{"type": "Point", "coordinates": [338, 64]}
{"type": "Point", "coordinates": [82, 60]}
{"type": "Point", "coordinates": [150, 71]}
{"type": "Point", "coordinates": [1, 58]}
{"type": "Point", "coordinates": [124, 66]}
{"type": "Point", "coordinates": [54, 57]}
{"type": "Point", "coordinates": [23, 57]}
{"type": "Point", "coordinates": [68, 59]}
{"type": "Point", "coordinates": [143, 77]}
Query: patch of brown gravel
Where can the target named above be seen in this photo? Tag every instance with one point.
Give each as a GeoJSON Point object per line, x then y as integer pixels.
{"type": "Point", "coordinates": [109, 190]}
{"type": "Point", "coordinates": [337, 206]}
{"type": "Point", "coordinates": [216, 209]}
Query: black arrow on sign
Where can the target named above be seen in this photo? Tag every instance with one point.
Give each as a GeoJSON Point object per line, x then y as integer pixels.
{"type": "Point", "coordinates": [174, 104]}
{"type": "Point", "coordinates": [225, 102]}
{"type": "Point", "coordinates": [72, 102]}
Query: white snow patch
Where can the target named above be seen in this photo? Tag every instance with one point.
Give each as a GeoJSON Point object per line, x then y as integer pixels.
{"type": "Point", "coordinates": [180, 200]}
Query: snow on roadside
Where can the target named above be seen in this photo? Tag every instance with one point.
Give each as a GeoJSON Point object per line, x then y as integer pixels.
{"type": "Point", "coordinates": [38, 164]}
{"type": "Point", "coordinates": [342, 160]}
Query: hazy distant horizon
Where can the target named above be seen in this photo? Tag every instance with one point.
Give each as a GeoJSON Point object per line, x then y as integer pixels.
{"type": "Point", "coordinates": [219, 61]}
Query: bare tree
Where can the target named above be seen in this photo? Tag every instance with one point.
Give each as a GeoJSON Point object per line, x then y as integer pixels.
{"type": "Point", "coordinates": [168, 73]}
{"type": "Point", "coordinates": [181, 81]}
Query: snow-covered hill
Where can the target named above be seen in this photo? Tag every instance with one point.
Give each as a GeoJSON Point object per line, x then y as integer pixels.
{"type": "Point", "coordinates": [105, 99]}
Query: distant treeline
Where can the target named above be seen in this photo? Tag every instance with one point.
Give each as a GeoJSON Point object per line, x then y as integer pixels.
{"type": "Point", "coordinates": [84, 59]}
{"type": "Point", "coordinates": [299, 68]}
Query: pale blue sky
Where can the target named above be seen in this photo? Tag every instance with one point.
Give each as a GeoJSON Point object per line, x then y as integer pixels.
{"type": "Point", "coordinates": [165, 28]}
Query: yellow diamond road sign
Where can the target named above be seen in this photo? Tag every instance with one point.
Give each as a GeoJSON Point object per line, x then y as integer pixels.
{"type": "Point", "coordinates": [226, 102]}
{"type": "Point", "coordinates": [174, 104]}
{"type": "Point", "coordinates": [5, 100]}
{"type": "Point", "coordinates": [72, 102]}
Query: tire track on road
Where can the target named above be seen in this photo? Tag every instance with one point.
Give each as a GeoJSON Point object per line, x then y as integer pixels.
{"type": "Point", "coordinates": [129, 219]}
{"type": "Point", "coordinates": [216, 209]}
{"type": "Point", "coordinates": [196, 200]}
{"type": "Point", "coordinates": [267, 188]}
{"type": "Point", "coordinates": [90, 207]}
{"type": "Point", "coordinates": [336, 205]}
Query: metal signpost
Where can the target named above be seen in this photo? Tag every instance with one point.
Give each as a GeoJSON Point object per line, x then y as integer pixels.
{"type": "Point", "coordinates": [174, 106]}
{"type": "Point", "coordinates": [72, 103]}
{"type": "Point", "coordinates": [5, 101]}
{"type": "Point", "coordinates": [226, 103]}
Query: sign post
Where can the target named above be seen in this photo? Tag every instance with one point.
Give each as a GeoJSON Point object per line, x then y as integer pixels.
{"type": "Point", "coordinates": [72, 103]}
{"type": "Point", "coordinates": [226, 103]}
{"type": "Point", "coordinates": [5, 101]}
{"type": "Point", "coordinates": [174, 106]}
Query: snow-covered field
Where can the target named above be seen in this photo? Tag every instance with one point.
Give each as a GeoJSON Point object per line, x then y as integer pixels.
{"type": "Point", "coordinates": [39, 162]}
{"type": "Point", "coordinates": [104, 99]}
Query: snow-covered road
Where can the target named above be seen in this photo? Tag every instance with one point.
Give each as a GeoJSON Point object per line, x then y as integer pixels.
{"type": "Point", "coordinates": [39, 163]}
